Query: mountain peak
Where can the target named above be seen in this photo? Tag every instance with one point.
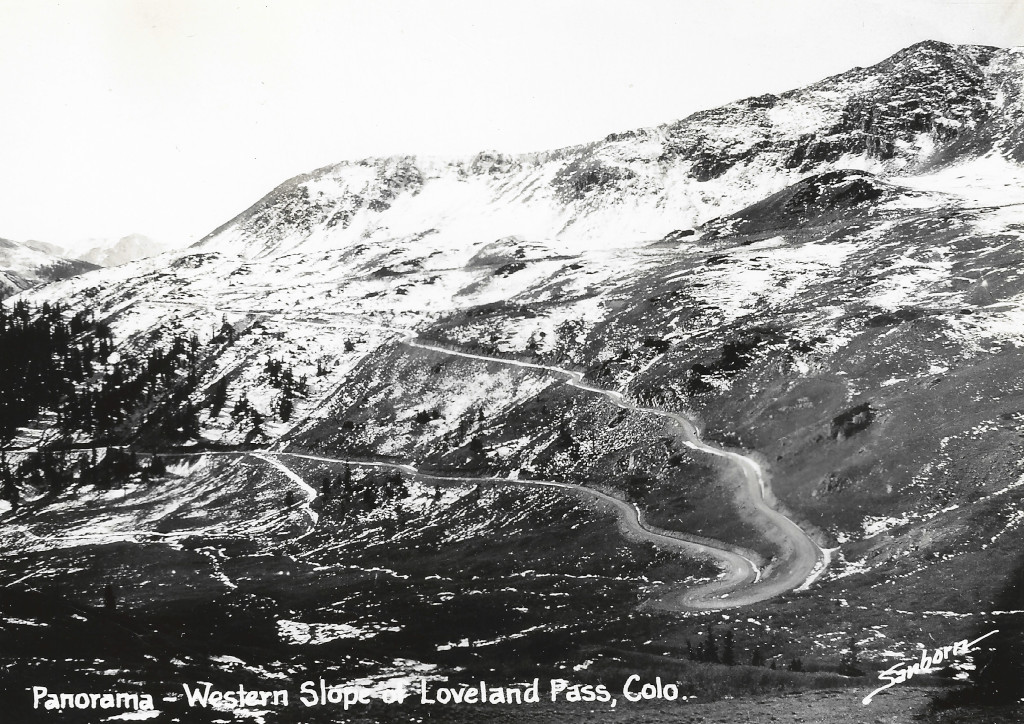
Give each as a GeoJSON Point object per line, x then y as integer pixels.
{"type": "Point", "coordinates": [105, 252]}
{"type": "Point", "coordinates": [941, 47]}
{"type": "Point", "coordinates": [927, 105]}
{"type": "Point", "coordinates": [27, 264]}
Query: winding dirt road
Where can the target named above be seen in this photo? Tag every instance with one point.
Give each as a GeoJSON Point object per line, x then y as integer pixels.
{"type": "Point", "coordinates": [738, 570]}
{"type": "Point", "coordinates": [799, 564]}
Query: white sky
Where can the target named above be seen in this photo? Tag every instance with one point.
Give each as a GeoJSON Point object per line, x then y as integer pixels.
{"type": "Point", "coordinates": [167, 117]}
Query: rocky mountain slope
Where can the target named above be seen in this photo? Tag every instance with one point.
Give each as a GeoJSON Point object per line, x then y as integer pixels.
{"type": "Point", "coordinates": [929, 104]}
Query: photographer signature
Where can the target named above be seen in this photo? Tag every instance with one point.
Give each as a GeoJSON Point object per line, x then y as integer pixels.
{"type": "Point", "coordinates": [899, 673]}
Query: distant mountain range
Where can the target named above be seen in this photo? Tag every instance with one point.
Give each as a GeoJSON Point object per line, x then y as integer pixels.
{"type": "Point", "coordinates": [27, 264]}
{"type": "Point", "coordinates": [30, 263]}
{"type": "Point", "coordinates": [104, 252]}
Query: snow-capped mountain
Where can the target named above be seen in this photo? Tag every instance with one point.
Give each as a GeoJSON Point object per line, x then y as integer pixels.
{"type": "Point", "coordinates": [27, 264]}
{"type": "Point", "coordinates": [103, 252]}
{"type": "Point", "coordinates": [927, 105]}
{"type": "Point", "coordinates": [398, 242]}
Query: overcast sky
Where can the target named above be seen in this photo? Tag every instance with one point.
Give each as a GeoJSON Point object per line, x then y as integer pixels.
{"type": "Point", "coordinates": [169, 117]}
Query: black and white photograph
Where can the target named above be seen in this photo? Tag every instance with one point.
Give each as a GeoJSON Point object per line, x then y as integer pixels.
{"type": "Point", "coordinates": [498, 363]}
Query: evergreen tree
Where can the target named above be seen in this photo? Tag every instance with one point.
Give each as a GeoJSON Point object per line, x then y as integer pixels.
{"type": "Point", "coordinates": [226, 333]}
{"type": "Point", "coordinates": [257, 425]}
{"type": "Point", "coordinates": [109, 597]}
{"type": "Point", "coordinates": [710, 652]}
{"type": "Point", "coordinates": [218, 396]}
{"type": "Point", "coordinates": [285, 407]}
{"type": "Point", "coordinates": [849, 664]}
{"type": "Point", "coordinates": [157, 466]}
{"type": "Point", "coordinates": [394, 486]}
{"type": "Point", "coordinates": [346, 480]}
{"type": "Point", "coordinates": [8, 487]}
{"type": "Point", "coordinates": [242, 408]}
{"type": "Point", "coordinates": [565, 438]}
{"type": "Point", "coordinates": [728, 652]}
{"type": "Point", "coordinates": [82, 466]}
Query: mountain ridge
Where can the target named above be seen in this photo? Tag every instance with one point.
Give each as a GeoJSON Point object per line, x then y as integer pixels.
{"type": "Point", "coordinates": [24, 264]}
{"type": "Point", "coordinates": [112, 252]}
{"type": "Point", "coordinates": [27, 264]}
{"type": "Point", "coordinates": [923, 107]}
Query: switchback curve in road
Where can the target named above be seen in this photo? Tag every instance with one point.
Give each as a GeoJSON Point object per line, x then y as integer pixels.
{"type": "Point", "coordinates": [743, 584]}
{"type": "Point", "coordinates": [738, 569]}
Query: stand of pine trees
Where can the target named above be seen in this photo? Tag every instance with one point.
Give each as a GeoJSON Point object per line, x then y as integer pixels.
{"type": "Point", "coordinates": [343, 495]}
{"type": "Point", "coordinates": [47, 355]}
{"type": "Point", "coordinates": [66, 365]}
{"type": "Point", "coordinates": [282, 377]}
{"type": "Point", "coordinates": [722, 651]}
